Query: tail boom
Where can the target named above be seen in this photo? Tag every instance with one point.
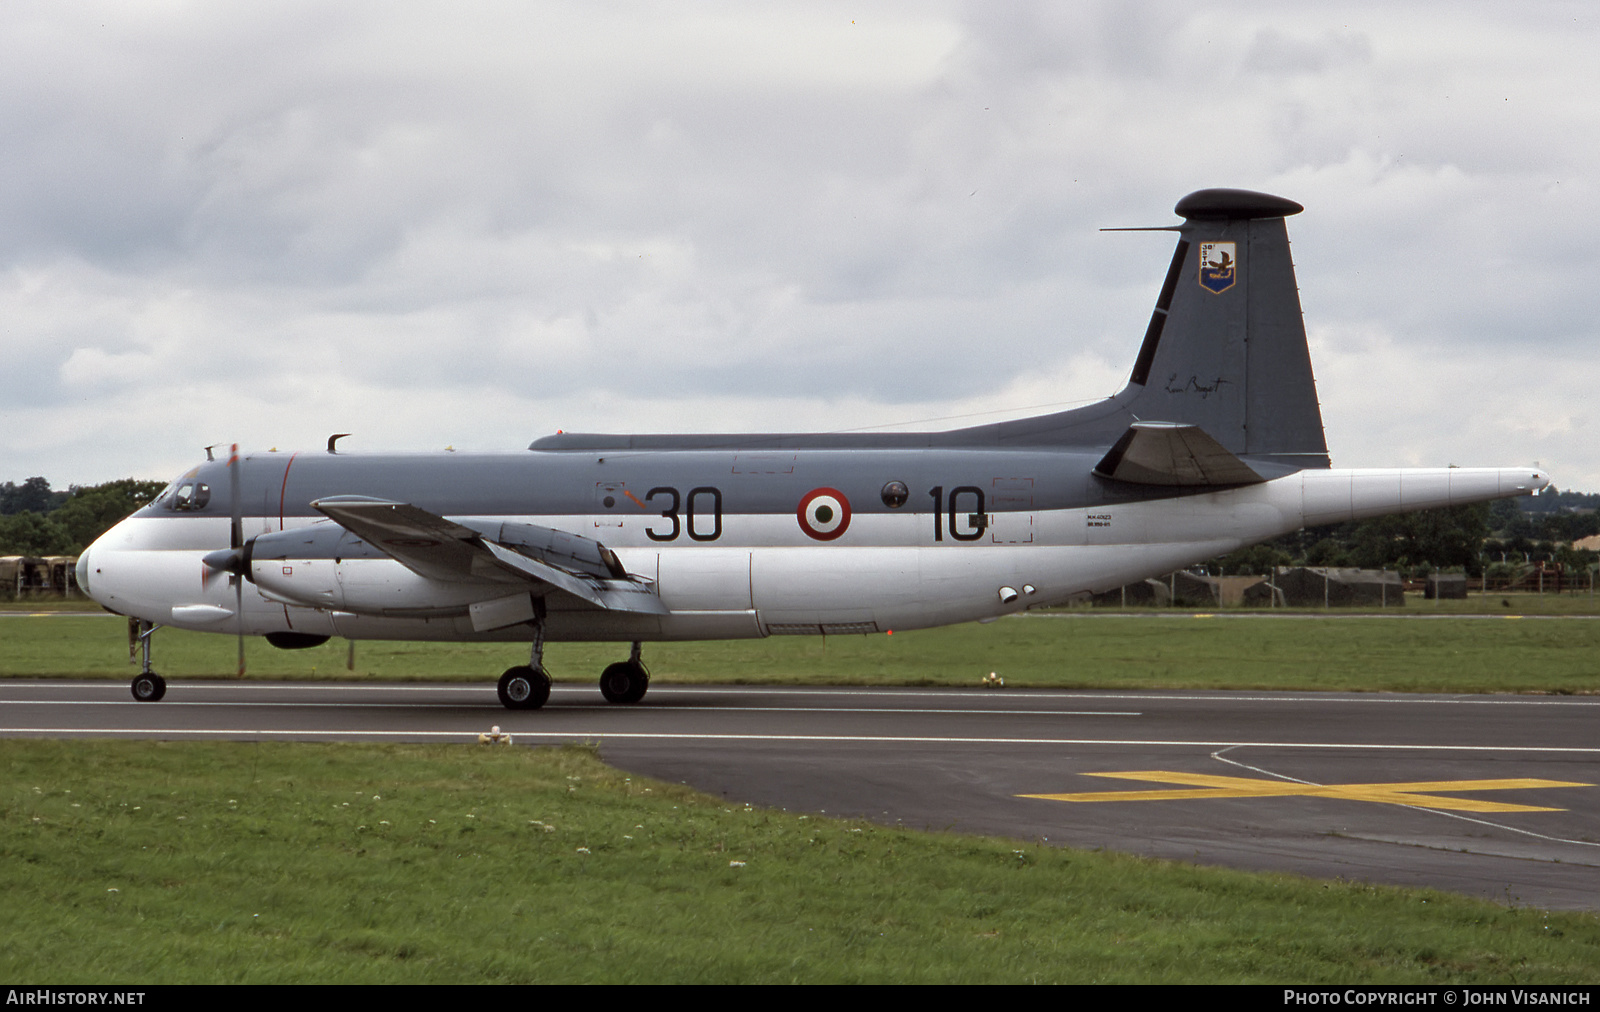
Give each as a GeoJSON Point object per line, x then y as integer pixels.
{"type": "Point", "coordinates": [1335, 496]}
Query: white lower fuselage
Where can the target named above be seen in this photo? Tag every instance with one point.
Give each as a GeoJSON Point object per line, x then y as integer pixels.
{"type": "Point", "coordinates": [763, 575]}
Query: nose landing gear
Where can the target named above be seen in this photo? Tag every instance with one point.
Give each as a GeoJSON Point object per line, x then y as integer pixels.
{"type": "Point", "coordinates": [148, 687]}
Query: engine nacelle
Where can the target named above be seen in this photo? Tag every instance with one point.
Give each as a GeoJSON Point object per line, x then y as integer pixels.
{"type": "Point", "coordinates": [325, 566]}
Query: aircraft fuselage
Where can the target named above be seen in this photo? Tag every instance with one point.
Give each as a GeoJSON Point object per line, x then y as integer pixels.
{"type": "Point", "coordinates": [737, 543]}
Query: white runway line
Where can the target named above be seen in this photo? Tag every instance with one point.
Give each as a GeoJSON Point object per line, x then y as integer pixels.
{"type": "Point", "coordinates": [606, 707]}
{"type": "Point", "coordinates": [601, 736]}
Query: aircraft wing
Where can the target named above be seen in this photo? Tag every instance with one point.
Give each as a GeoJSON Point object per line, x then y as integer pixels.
{"type": "Point", "coordinates": [1170, 453]}
{"type": "Point", "coordinates": [440, 549]}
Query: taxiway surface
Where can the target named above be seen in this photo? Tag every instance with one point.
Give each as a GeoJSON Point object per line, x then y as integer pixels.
{"type": "Point", "coordinates": [1494, 796]}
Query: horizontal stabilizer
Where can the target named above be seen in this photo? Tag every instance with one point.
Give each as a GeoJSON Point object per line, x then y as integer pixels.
{"type": "Point", "coordinates": [1170, 453]}
{"type": "Point", "coordinates": [440, 549]}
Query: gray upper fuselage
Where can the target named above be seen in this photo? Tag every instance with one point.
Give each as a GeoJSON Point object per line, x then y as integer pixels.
{"type": "Point", "coordinates": [750, 475]}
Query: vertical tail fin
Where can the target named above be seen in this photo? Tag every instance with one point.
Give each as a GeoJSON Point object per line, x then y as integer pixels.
{"type": "Point", "coordinates": [1225, 349]}
{"type": "Point", "coordinates": [1226, 345]}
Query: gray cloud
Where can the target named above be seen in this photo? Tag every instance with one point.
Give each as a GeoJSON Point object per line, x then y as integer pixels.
{"type": "Point", "coordinates": [267, 222]}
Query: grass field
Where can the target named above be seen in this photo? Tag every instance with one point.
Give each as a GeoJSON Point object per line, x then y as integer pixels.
{"type": "Point", "coordinates": [260, 862]}
{"type": "Point", "coordinates": [227, 862]}
{"type": "Point", "coordinates": [1077, 649]}
{"type": "Point", "coordinates": [1580, 602]}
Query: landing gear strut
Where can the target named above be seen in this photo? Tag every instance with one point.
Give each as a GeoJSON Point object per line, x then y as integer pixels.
{"type": "Point", "coordinates": [148, 687]}
{"type": "Point", "coordinates": [527, 687]}
{"type": "Point", "coordinates": [626, 681]}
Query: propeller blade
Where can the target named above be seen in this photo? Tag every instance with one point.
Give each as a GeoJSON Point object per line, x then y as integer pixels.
{"type": "Point", "coordinates": [238, 600]}
{"type": "Point", "coordinates": [236, 546]}
{"type": "Point", "coordinates": [236, 532]}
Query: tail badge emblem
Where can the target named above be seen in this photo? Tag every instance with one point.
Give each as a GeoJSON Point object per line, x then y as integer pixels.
{"type": "Point", "coordinates": [1218, 266]}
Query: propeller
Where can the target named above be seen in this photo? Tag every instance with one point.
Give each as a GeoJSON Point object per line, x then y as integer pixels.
{"type": "Point", "coordinates": [235, 559]}
{"type": "Point", "coordinates": [236, 544]}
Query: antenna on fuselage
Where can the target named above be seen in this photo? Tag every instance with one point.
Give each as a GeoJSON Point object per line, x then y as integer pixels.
{"type": "Point", "coordinates": [334, 439]}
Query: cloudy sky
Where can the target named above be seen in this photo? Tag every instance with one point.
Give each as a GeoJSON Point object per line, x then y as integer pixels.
{"type": "Point", "coordinates": [436, 224]}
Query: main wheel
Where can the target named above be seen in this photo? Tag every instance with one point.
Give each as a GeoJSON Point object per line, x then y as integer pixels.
{"type": "Point", "coordinates": [624, 682]}
{"type": "Point", "coordinates": [523, 688]}
{"type": "Point", "coordinates": [149, 688]}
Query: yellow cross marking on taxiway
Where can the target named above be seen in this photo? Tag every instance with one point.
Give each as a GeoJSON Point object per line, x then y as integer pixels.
{"type": "Point", "coordinates": [1419, 793]}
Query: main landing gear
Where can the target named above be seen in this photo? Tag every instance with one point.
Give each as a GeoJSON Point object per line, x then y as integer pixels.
{"type": "Point", "coordinates": [527, 686]}
{"type": "Point", "coordinates": [625, 681]}
{"type": "Point", "coordinates": [148, 687]}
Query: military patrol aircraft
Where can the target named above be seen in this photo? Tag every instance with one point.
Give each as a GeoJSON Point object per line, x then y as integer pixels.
{"type": "Point", "coordinates": [1215, 443]}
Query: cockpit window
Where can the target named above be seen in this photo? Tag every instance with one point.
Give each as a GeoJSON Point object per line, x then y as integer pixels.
{"type": "Point", "coordinates": [189, 496]}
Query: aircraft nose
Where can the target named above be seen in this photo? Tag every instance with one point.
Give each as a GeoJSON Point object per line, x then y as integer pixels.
{"type": "Point", "coordinates": [82, 570]}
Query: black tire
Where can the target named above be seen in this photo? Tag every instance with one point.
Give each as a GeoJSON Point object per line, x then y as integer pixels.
{"type": "Point", "coordinates": [523, 688]}
{"type": "Point", "coordinates": [149, 688]}
{"type": "Point", "coordinates": [624, 682]}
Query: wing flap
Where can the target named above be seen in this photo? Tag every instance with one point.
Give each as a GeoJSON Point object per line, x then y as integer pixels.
{"type": "Point", "coordinates": [1171, 453]}
{"type": "Point", "coordinates": [611, 594]}
{"type": "Point", "coordinates": [423, 542]}
{"type": "Point", "coordinates": [440, 549]}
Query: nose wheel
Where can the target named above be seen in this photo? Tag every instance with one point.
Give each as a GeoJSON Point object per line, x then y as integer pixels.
{"type": "Point", "coordinates": [149, 687]}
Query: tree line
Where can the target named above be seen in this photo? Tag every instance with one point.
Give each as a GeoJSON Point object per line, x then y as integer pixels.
{"type": "Point", "coordinates": [35, 520]}
{"type": "Point", "coordinates": [1499, 537]}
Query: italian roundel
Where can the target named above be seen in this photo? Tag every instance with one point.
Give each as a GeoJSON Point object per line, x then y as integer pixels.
{"type": "Point", "coordinates": [824, 513]}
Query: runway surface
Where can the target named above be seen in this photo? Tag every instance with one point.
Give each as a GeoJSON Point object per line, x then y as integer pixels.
{"type": "Point", "coordinates": [1494, 796]}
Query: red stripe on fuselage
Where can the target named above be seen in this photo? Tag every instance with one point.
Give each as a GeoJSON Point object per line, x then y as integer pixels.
{"type": "Point", "coordinates": [283, 493]}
